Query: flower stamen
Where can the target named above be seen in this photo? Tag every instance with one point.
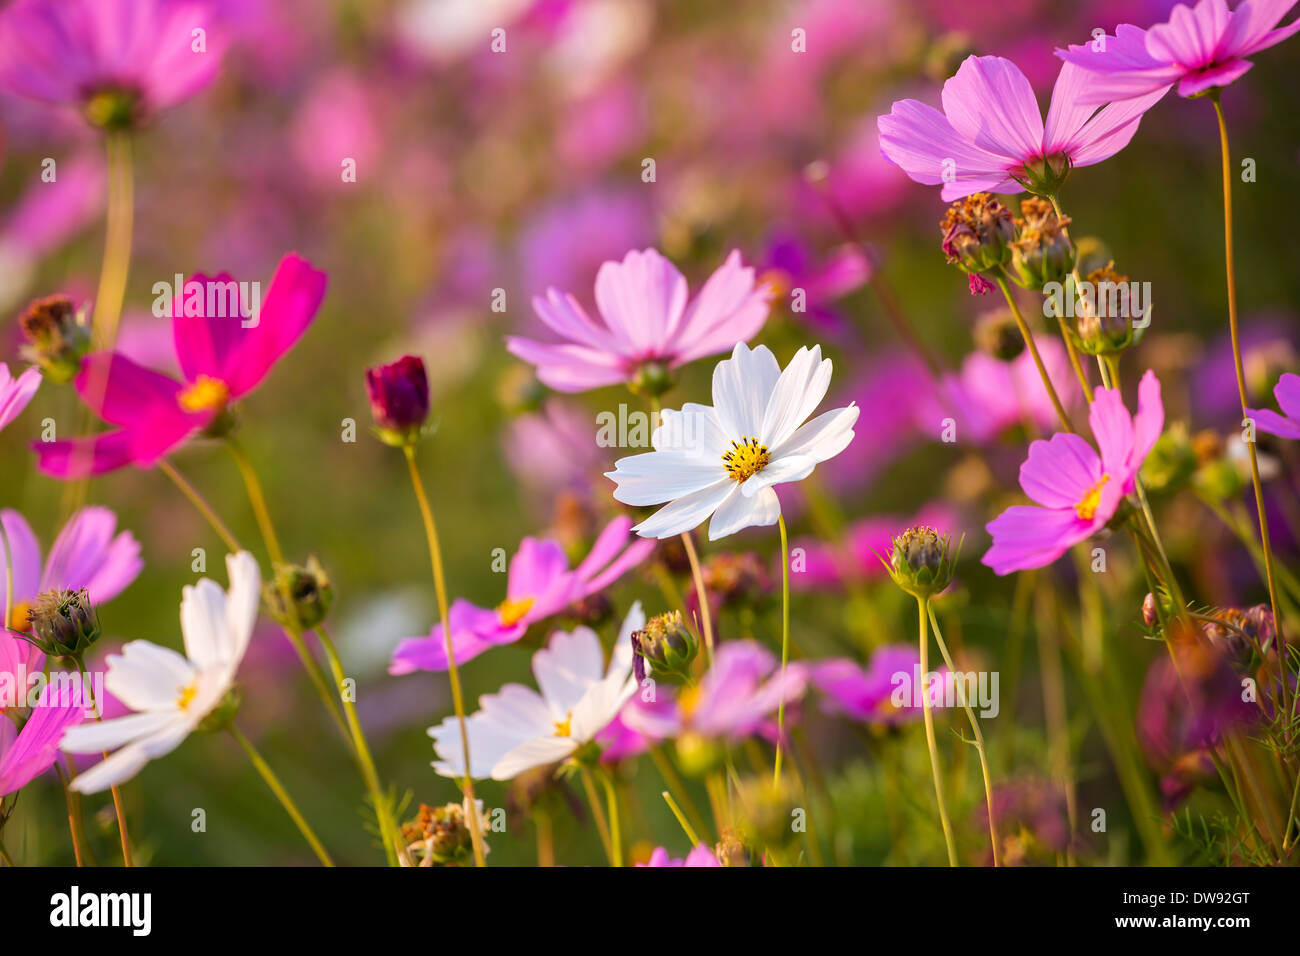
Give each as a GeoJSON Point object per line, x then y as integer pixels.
{"type": "Point", "coordinates": [1088, 504]}
{"type": "Point", "coordinates": [512, 610]}
{"type": "Point", "coordinates": [205, 394]}
{"type": "Point", "coordinates": [746, 458]}
{"type": "Point", "coordinates": [564, 728]}
{"type": "Point", "coordinates": [186, 696]}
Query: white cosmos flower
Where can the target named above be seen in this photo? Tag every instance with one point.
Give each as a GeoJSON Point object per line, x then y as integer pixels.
{"type": "Point", "coordinates": [172, 693]}
{"type": "Point", "coordinates": [723, 460]}
{"type": "Point", "coordinates": [517, 728]}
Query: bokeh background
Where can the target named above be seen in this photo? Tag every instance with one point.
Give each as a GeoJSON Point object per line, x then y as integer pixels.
{"type": "Point", "coordinates": [518, 170]}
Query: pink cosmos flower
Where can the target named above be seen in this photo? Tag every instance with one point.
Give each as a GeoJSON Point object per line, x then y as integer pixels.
{"type": "Point", "coordinates": [539, 585]}
{"type": "Point", "coordinates": [1199, 48]}
{"type": "Point", "coordinates": [645, 319]}
{"type": "Point", "coordinates": [15, 393]}
{"type": "Point", "coordinates": [991, 136]}
{"type": "Point", "coordinates": [700, 856]}
{"type": "Point", "coordinates": [867, 695]}
{"type": "Point", "coordinates": [29, 752]}
{"type": "Point", "coordinates": [1077, 488]}
{"type": "Point", "coordinates": [1286, 425]}
{"type": "Point", "coordinates": [87, 554]}
{"type": "Point", "coordinates": [71, 51]}
{"type": "Point", "coordinates": [220, 359]}
{"type": "Point", "coordinates": [737, 698]}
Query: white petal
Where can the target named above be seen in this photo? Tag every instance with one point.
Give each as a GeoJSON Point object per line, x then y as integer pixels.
{"type": "Point", "coordinates": [148, 677]}
{"type": "Point", "coordinates": [96, 736]}
{"type": "Point", "coordinates": [686, 512]}
{"type": "Point", "coordinates": [127, 762]}
{"type": "Point", "coordinates": [799, 391]}
{"type": "Point", "coordinates": [243, 602]}
{"type": "Point", "coordinates": [739, 512]}
{"type": "Point", "coordinates": [696, 429]}
{"type": "Point", "coordinates": [742, 386]}
{"type": "Point", "coordinates": [203, 622]}
{"type": "Point", "coordinates": [822, 438]}
{"type": "Point", "coordinates": [534, 753]}
{"type": "Point", "coordinates": [789, 468]}
{"type": "Point", "coordinates": [567, 667]}
{"type": "Point", "coordinates": [660, 476]}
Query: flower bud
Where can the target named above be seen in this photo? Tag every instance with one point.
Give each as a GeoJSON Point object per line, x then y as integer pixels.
{"type": "Point", "coordinates": [64, 622]}
{"type": "Point", "coordinates": [1100, 329]}
{"type": "Point", "coordinates": [399, 400]}
{"type": "Point", "coordinates": [1217, 478]}
{"type": "Point", "coordinates": [652, 379]}
{"type": "Point", "coordinates": [1150, 610]}
{"type": "Point", "coordinates": [997, 334]}
{"type": "Point", "coordinates": [921, 564]}
{"type": "Point", "coordinates": [1042, 251]}
{"type": "Point", "coordinates": [977, 233]}
{"type": "Point", "coordinates": [57, 338]}
{"type": "Point", "coordinates": [666, 644]}
{"type": "Point", "coordinates": [308, 590]}
{"type": "Point", "coordinates": [441, 836]}
{"type": "Point", "coordinates": [731, 849]}
{"type": "Point", "coordinates": [1171, 463]}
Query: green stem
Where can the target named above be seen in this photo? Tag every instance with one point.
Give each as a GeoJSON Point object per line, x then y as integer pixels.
{"type": "Point", "coordinates": [785, 645]}
{"type": "Point", "coordinates": [200, 504]}
{"type": "Point", "coordinates": [440, 588]}
{"type": "Point", "coordinates": [282, 795]}
{"type": "Point", "coordinates": [975, 728]}
{"type": "Point", "coordinates": [615, 833]}
{"type": "Point", "coordinates": [1230, 271]}
{"type": "Point", "coordinates": [388, 831]}
{"type": "Point", "coordinates": [674, 782]}
{"type": "Point", "coordinates": [257, 500]}
{"type": "Point", "coordinates": [924, 640]}
{"type": "Point", "coordinates": [681, 819]}
{"type": "Point", "coordinates": [1033, 352]}
{"type": "Point", "coordinates": [597, 813]}
{"type": "Point", "coordinates": [119, 807]}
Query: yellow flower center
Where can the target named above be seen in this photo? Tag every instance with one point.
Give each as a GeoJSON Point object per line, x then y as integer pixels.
{"type": "Point", "coordinates": [688, 700]}
{"type": "Point", "coordinates": [18, 616]}
{"type": "Point", "coordinates": [1087, 506]}
{"type": "Point", "coordinates": [564, 728]}
{"type": "Point", "coordinates": [206, 393]}
{"type": "Point", "coordinates": [186, 696]}
{"type": "Point", "coordinates": [512, 610]}
{"type": "Point", "coordinates": [746, 458]}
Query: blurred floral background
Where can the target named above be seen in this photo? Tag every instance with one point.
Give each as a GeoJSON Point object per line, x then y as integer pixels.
{"type": "Point", "coordinates": [482, 178]}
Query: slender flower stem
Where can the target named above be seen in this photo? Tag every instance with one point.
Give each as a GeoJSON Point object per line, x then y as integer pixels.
{"type": "Point", "coordinates": [282, 795]}
{"type": "Point", "coordinates": [1230, 271]}
{"type": "Point", "coordinates": [785, 645]}
{"type": "Point", "coordinates": [388, 832]}
{"type": "Point", "coordinates": [928, 713]}
{"type": "Point", "coordinates": [615, 832]}
{"type": "Point", "coordinates": [440, 587]}
{"type": "Point", "coordinates": [545, 838]}
{"type": "Point", "coordinates": [257, 500]}
{"type": "Point", "coordinates": [75, 825]}
{"type": "Point", "coordinates": [118, 806]}
{"type": "Point", "coordinates": [119, 226]}
{"type": "Point", "coordinates": [200, 503]}
{"type": "Point", "coordinates": [1033, 352]}
{"type": "Point", "coordinates": [1060, 318]}
{"type": "Point", "coordinates": [674, 782]}
{"type": "Point", "coordinates": [975, 728]}
{"type": "Point", "coordinates": [7, 554]}
{"type": "Point", "coordinates": [597, 812]}
{"type": "Point", "coordinates": [701, 595]}
{"type": "Point", "coordinates": [681, 818]}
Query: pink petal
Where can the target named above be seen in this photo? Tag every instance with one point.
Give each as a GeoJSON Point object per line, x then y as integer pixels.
{"type": "Point", "coordinates": [1058, 473]}
{"type": "Point", "coordinates": [288, 308]}
{"type": "Point", "coordinates": [643, 297]}
{"type": "Point", "coordinates": [569, 368]}
{"type": "Point", "coordinates": [123, 393]}
{"type": "Point", "coordinates": [729, 308]}
{"type": "Point", "coordinates": [87, 554]}
{"type": "Point", "coordinates": [1251, 28]}
{"type": "Point", "coordinates": [26, 553]}
{"type": "Point", "coordinates": [920, 140]}
{"type": "Point", "coordinates": [991, 104]}
{"type": "Point", "coordinates": [1112, 429]}
{"type": "Point", "coordinates": [1192, 35]}
{"type": "Point", "coordinates": [1025, 537]}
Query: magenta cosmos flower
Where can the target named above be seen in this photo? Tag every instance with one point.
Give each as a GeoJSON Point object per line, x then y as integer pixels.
{"type": "Point", "coordinates": [867, 695]}
{"type": "Point", "coordinates": [116, 60]}
{"type": "Point", "coordinates": [737, 698]}
{"type": "Point", "coordinates": [647, 327]}
{"type": "Point", "coordinates": [31, 751]}
{"type": "Point", "coordinates": [991, 136]}
{"type": "Point", "coordinates": [1077, 488]}
{"type": "Point", "coordinates": [1286, 425]}
{"type": "Point", "coordinates": [222, 358]}
{"type": "Point", "coordinates": [15, 393]}
{"type": "Point", "coordinates": [1199, 48]}
{"type": "Point", "coordinates": [700, 856]}
{"type": "Point", "coordinates": [539, 584]}
{"type": "Point", "coordinates": [88, 553]}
